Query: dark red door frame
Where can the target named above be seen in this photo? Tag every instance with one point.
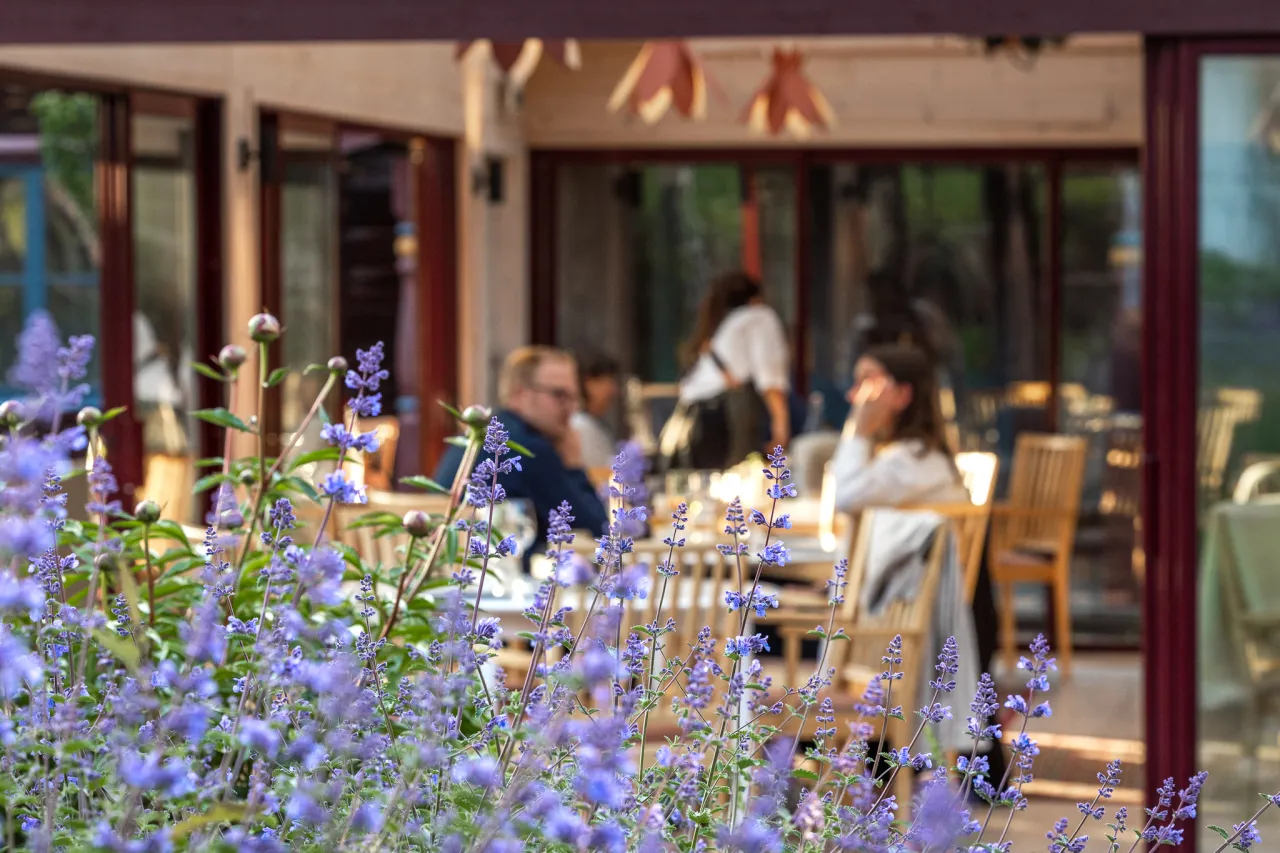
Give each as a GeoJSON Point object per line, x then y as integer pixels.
{"type": "Point", "coordinates": [1171, 357]}
{"type": "Point", "coordinates": [435, 177]}
{"type": "Point", "coordinates": [116, 291]}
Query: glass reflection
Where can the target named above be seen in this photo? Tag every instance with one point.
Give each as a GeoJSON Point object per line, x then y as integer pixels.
{"type": "Point", "coordinates": [1238, 434]}
{"type": "Point", "coordinates": [308, 249]}
{"type": "Point", "coordinates": [164, 322]}
{"type": "Point", "coordinates": [50, 253]}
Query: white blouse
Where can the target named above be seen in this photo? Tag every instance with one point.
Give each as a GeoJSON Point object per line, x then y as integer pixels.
{"type": "Point", "coordinates": [752, 344]}
{"type": "Point", "coordinates": [903, 472]}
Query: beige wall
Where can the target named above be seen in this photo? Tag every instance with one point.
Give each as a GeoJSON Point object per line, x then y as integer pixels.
{"type": "Point", "coordinates": [885, 92]}
{"type": "Point", "coordinates": [415, 86]}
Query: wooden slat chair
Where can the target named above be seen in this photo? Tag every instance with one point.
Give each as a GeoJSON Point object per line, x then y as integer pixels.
{"type": "Point", "coordinates": [1033, 535]}
{"type": "Point", "coordinates": [858, 660]}
{"type": "Point", "coordinates": [169, 481]}
{"type": "Point", "coordinates": [694, 598]}
{"type": "Point", "coordinates": [1121, 498]}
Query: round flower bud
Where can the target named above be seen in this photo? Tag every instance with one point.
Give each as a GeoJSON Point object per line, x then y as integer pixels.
{"type": "Point", "coordinates": [477, 416]}
{"type": "Point", "coordinates": [337, 364]}
{"type": "Point", "coordinates": [264, 328]}
{"type": "Point", "coordinates": [12, 413]}
{"type": "Point", "coordinates": [231, 518]}
{"type": "Point", "coordinates": [417, 523]}
{"type": "Point", "coordinates": [106, 562]}
{"type": "Point", "coordinates": [231, 357]}
{"type": "Point", "coordinates": [148, 512]}
{"type": "Point", "coordinates": [89, 416]}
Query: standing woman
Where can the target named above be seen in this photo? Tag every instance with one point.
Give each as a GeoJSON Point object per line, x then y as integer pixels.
{"type": "Point", "coordinates": [737, 377]}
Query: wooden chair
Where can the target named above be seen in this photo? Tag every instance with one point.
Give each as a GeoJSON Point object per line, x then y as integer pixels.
{"type": "Point", "coordinates": [1121, 498]}
{"type": "Point", "coordinates": [169, 481]}
{"type": "Point", "coordinates": [695, 597]}
{"type": "Point", "coordinates": [857, 661]}
{"type": "Point", "coordinates": [1216, 424]}
{"type": "Point", "coordinates": [1033, 535]}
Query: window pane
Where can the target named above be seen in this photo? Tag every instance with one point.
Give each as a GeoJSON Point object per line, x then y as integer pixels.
{"type": "Point", "coordinates": [377, 294]}
{"type": "Point", "coordinates": [308, 227]}
{"type": "Point", "coordinates": [165, 323]}
{"type": "Point", "coordinates": [1100, 397]}
{"type": "Point", "coordinates": [1238, 433]}
{"type": "Point", "coordinates": [50, 255]}
{"type": "Point", "coordinates": [10, 328]}
{"type": "Point", "coordinates": [959, 250]}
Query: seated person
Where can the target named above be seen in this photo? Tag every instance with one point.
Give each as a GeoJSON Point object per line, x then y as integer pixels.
{"type": "Point", "coordinates": [538, 393]}
{"type": "Point", "coordinates": [598, 378]}
{"type": "Point", "coordinates": [894, 448]}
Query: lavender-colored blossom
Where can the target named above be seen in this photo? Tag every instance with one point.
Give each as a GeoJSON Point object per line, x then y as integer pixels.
{"type": "Point", "coordinates": [19, 668]}
{"type": "Point", "coordinates": [20, 596]}
{"type": "Point", "coordinates": [337, 487]}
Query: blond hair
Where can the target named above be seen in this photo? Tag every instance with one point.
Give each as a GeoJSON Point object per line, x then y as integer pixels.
{"type": "Point", "coordinates": [520, 366]}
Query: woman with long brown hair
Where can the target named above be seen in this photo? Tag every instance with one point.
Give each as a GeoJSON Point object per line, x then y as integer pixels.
{"type": "Point", "coordinates": [737, 376]}
{"type": "Point", "coordinates": [894, 450]}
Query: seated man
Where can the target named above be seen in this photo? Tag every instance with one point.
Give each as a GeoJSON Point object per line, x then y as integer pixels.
{"type": "Point", "coordinates": [538, 391]}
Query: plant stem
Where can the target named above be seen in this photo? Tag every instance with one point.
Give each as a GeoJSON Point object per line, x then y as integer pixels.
{"type": "Point", "coordinates": [151, 580]}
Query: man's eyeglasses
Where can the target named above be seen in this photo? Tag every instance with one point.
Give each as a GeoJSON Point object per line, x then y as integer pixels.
{"type": "Point", "coordinates": [561, 395]}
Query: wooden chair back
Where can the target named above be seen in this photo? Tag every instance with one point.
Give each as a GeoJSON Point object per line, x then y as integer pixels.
{"type": "Point", "coordinates": [909, 618]}
{"type": "Point", "coordinates": [377, 550]}
{"type": "Point", "coordinates": [1048, 474]}
{"type": "Point", "coordinates": [1260, 479]}
{"type": "Point", "coordinates": [1216, 424]}
{"type": "Point", "coordinates": [694, 598]}
{"type": "Point", "coordinates": [169, 481]}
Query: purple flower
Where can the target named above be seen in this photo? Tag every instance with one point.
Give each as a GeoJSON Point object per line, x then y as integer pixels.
{"type": "Point", "coordinates": [482, 772]}
{"type": "Point", "coordinates": [259, 735]}
{"type": "Point", "coordinates": [172, 778]}
{"type": "Point", "coordinates": [630, 584]}
{"type": "Point", "coordinates": [758, 600]}
{"type": "Point", "coordinates": [337, 487]}
{"type": "Point", "coordinates": [320, 575]}
{"type": "Point", "coordinates": [744, 646]}
{"type": "Point", "coordinates": [36, 368]}
{"type": "Point", "coordinates": [18, 667]}
{"type": "Point", "coordinates": [1247, 835]}
{"type": "Point", "coordinates": [338, 436]}
{"type": "Point", "coordinates": [302, 808]}
{"type": "Point", "coordinates": [948, 664]}
{"type": "Point", "coordinates": [17, 595]}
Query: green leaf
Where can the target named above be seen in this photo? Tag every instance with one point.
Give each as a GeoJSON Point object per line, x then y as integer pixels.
{"type": "Point", "coordinates": [324, 454]}
{"type": "Point", "coordinates": [420, 482]}
{"type": "Point", "coordinates": [204, 484]}
{"type": "Point", "coordinates": [521, 449]}
{"type": "Point", "coordinates": [129, 588]}
{"type": "Point", "coordinates": [111, 414]}
{"type": "Point", "coordinates": [1222, 832]}
{"type": "Point", "coordinates": [277, 376]}
{"type": "Point", "coordinates": [450, 409]}
{"type": "Point", "coordinates": [126, 652]}
{"type": "Point", "coordinates": [458, 441]}
{"type": "Point", "coordinates": [220, 813]}
{"type": "Point", "coordinates": [211, 462]}
{"type": "Point", "coordinates": [223, 418]}
{"type": "Point", "coordinates": [207, 371]}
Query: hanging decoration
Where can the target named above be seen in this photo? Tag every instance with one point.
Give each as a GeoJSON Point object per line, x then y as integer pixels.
{"type": "Point", "coordinates": [788, 100]}
{"type": "Point", "coordinates": [518, 60]}
{"type": "Point", "coordinates": [665, 74]}
{"type": "Point", "coordinates": [1022, 51]}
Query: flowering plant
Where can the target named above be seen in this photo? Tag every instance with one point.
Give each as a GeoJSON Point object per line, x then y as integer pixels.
{"type": "Point", "coordinates": [267, 688]}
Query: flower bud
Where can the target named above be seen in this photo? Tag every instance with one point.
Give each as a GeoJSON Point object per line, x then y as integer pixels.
{"type": "Point", "coordinates": [106, 562]}
{"type": "Point", "coordinates": [477, 416]}
{"type": "Point", "coordinates": [231, 357]}
{"type": "Point", "coordinates": [337, 364]}
{"type": "Point", "coordinates": [264, 328]}
{"type": "Point", "coordinates": [417, 523]}
{"type": "Point", "coordinates": [90, 416]}
{"type": "Point", "coordinates": [12, 413]}
{"type": "Point", "coordinates": [148, 512]}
